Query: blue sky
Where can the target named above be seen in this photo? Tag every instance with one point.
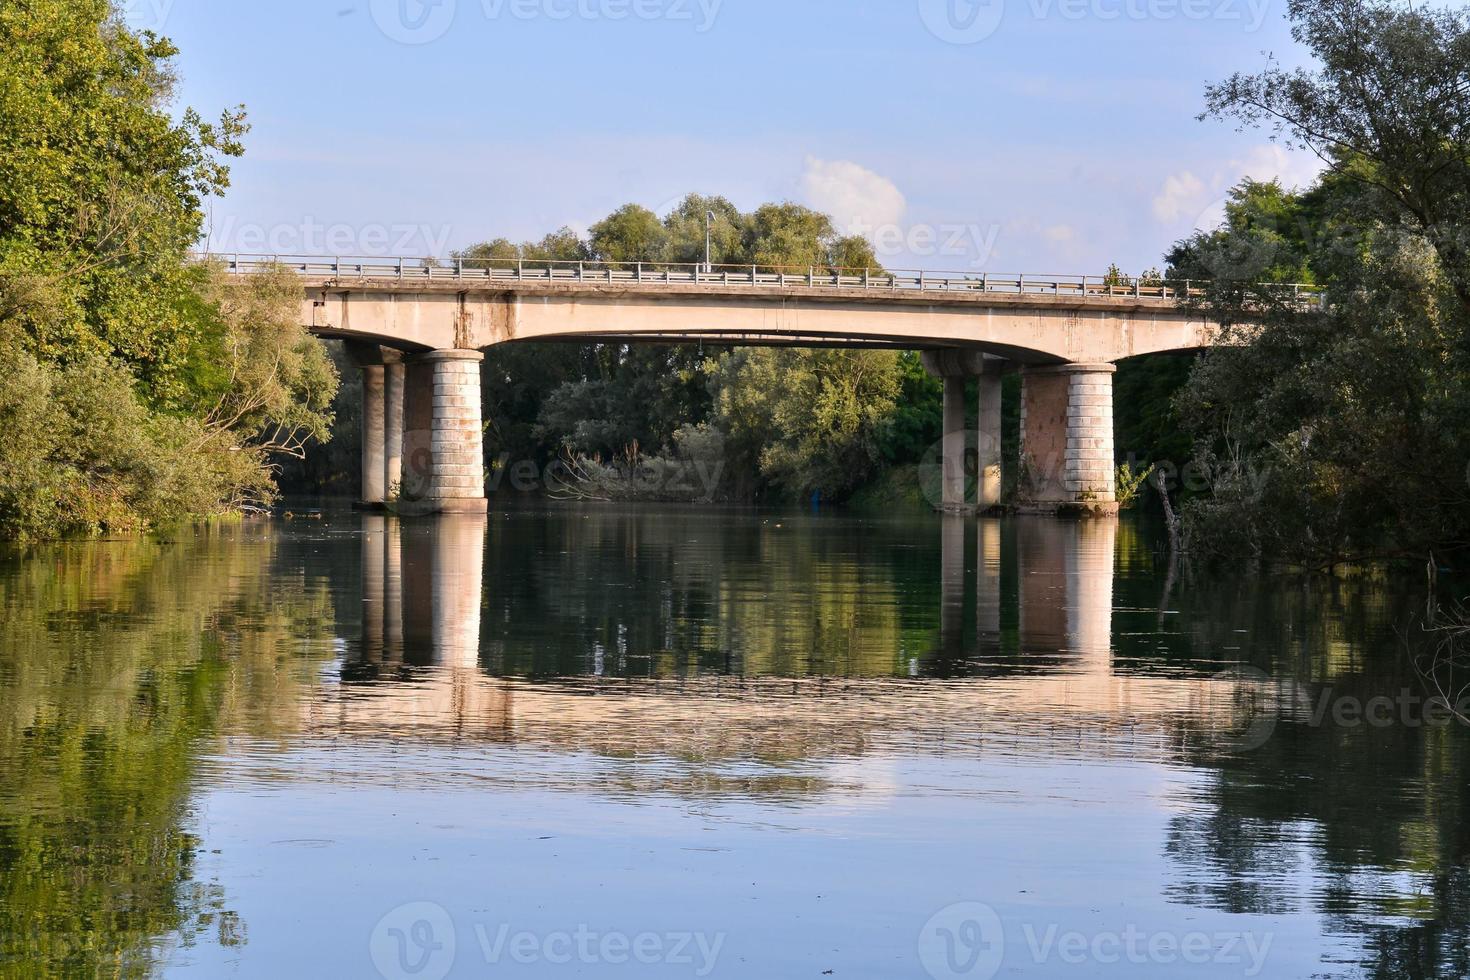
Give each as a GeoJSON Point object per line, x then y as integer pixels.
{"type": "Point", "coordinates": [1008, 135]}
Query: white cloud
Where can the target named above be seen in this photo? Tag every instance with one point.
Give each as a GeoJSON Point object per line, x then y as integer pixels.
{"type": "Point", "coordinates": [857, 199]}
{"type": "Point", "coordinates": [1185, 197]}
{"type": "Point", "coordinates": [1182, 196]}
{"type": "Point", "coordinates": [1273, 161]}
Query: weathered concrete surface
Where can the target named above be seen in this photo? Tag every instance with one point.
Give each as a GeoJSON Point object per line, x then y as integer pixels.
{"type": "Point", "coordinates": [969, 451]}
{"type": "Point", "coordinates": [393, 393]}
{"type": "Point", "coordinates": [374, 432]}
{"type": "Point", "coordinates": [443, 440]}
{"type": "Point", "coordinates": [1028, 329]}
{"type": "Point", "coordinates": [1067, 438]}
{"type": "Point", "coordinates": [989, 431]}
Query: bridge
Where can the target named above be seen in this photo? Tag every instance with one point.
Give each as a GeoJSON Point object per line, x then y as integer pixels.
{"type": "Point", "coordinates": [418, 328]}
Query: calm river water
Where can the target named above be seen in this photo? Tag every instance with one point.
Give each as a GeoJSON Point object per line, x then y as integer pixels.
{"type": "Point", "coordinates": [612, 742]}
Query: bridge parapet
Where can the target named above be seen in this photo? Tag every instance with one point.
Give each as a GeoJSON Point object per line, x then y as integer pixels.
{"type": "Point", "coordinates": [497, 272]}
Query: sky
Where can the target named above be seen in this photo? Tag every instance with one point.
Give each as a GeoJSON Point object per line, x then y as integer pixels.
{"type": "Point", "coordinates": [1036, 136]}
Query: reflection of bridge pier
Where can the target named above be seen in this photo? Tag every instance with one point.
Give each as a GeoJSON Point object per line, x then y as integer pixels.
{"type": "Point", "coordinates": [1066, 588]}
{"type": "Point", "coordinates": [422, 589]}
{"type": "Point", "coordinates": [988, 553]}
{"type": "Point", "coordinates": [374, 571]}
{"type": "Point", "coordinates": [1047, 679]}
{"type": "Point", "coordinates": [1064, 592]}
{"type": "Point", "coordinates": [422, 595]}
{"type": "Point", "coordinates": [953, 532]}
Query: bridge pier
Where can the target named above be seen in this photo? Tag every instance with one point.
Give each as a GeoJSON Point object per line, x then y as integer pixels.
{"type": "Point", "coordinates": [964, 451]}
{"type": "Point", "coordinates": [443, 468]}
{"type": "Point", "coordinates": [374, 435]}
{"type": "Point", "coordinates": [989, 462]}
{"type": "Point", "coordinates": [393, 389]}
{"type": "Point", "coordinates": [1067, 439]}
{"type": "Point", "coordinates": [956, 491]}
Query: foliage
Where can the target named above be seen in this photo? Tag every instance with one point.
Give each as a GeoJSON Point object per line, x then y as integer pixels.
{"type": "Point", "coordinates": [916, 421]}
{"type": "Point", "coordinates": [101, 191]}
{"type": "Point", "coordinates": [630, 234]}
{"type": "Point", "coordinates": [1130, 483]}
{"type": "Point", "coordinates": [812, 417]}
{"type": "Point", "coordinates": [691, 471]}
{"type": "Point", "coordinates": [148, 390]}
{"type": "Point", "coordinates": [1340, 430]}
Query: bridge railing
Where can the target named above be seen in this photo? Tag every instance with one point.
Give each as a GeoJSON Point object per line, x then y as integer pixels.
{"type": "Point", "coordinates": [490, 271]}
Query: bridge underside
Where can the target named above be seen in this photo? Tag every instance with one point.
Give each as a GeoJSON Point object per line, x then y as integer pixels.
{"type": "Point", "coordinates": [419, 346]}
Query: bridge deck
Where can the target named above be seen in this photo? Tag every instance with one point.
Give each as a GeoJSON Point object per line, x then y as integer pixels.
{"type": "Point", "coordinates": [516, 276]}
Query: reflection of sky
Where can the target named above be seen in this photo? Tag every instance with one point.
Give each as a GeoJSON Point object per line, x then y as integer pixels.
{"type": "Point", "coordinates": [546, 843]}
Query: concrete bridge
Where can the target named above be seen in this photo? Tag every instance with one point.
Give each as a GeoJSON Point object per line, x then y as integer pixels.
{"type": "Point", "coordinates": [418, 329]}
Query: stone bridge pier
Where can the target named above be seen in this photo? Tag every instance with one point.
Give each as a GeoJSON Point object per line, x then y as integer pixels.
{"type": "Point", "coordinates": [422, 430]}
{"type": "Point", "coordinates": [1067, 439]}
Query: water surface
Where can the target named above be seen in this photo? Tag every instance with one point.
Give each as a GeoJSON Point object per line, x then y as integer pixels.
{"type": "Point", "coordinates": [664, 742]}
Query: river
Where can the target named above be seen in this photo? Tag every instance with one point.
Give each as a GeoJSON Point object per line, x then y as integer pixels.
{"type": "Point", "coordinates": [621, 742]}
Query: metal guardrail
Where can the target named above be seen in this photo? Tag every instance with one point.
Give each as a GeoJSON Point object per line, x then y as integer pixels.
{"type": "Point", "coordinates": [490, 271]}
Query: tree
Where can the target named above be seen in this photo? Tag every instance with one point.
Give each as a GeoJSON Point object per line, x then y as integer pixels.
{"type": "Point", "coordinates": [630, 234]}
{"type": "Point", "coordinates": [792, 235]}
{"type": "Point", "coordinates": [811, 416]}
{"type": "Point", "coordinates": [1384, 109]}
{"type": "Point", "coordinates": [686, 228]}
{"type": "Point", "coordinates": [1338, 428]}
{"type": "Point", "coordinates": [151, 389]}
{"type": "Point", "coordinates": [101, 190]}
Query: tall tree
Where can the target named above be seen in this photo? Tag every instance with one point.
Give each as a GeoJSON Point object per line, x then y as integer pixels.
{"type": "Point", "coordinates": [1338, 428]}
{"type": "Point", "coordinates": [150, 390]}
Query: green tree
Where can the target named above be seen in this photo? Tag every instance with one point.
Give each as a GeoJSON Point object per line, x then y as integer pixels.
{"type": "Point", "coordinates": [101, 191]}
{"type": "Point", "coordinates": [157, 389]}
{"type": "Point", "coordinates": [792, 235]}
{"type": "Point", "coordinates": [810, 417]}
{"type": "Point", "coordinates": [1339, 429]}
{"type": "Point", "coordinates": [630, 234]}
{"type": "Point", "coordinates": [686, 227]}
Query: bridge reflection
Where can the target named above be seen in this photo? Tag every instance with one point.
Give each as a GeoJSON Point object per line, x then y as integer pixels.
{"type": "Point", "coordinates": [1021, 643]}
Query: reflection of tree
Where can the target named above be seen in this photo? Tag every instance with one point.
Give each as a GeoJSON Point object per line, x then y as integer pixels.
{"type": "Point", "coordinates": [742, 593]}
{"type": "Point", "coordinates": [116, 661]}
{"type": "Point", "coordinates": [1367, 826]}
